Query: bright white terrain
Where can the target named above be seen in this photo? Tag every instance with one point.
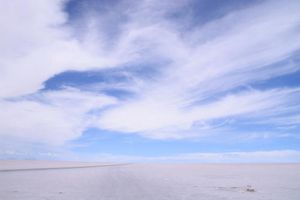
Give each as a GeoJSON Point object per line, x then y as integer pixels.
{"type": "Point", "coordinates": [32, 180]}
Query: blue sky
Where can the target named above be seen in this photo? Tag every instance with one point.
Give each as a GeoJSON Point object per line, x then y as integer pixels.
{"type": "Point", "coordinates": [157, 81]}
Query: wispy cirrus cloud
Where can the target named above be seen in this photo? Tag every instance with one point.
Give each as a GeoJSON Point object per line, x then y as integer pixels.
{"type": "Point", "coordinates": [50, 117]}
{"type": "Point", "coordinates": [166, 119]}
{"type": "Point", "coordinates": [241, 52]}
{"type": "Point", "coordinates": [188, 73]}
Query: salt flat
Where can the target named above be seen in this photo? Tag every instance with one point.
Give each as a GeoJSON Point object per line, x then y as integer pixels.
{"type": "Point", "coordinates": [59, 180]}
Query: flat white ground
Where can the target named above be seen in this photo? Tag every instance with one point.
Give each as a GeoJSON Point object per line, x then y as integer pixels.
{"type": "Point", "coordinates": [57, 180]}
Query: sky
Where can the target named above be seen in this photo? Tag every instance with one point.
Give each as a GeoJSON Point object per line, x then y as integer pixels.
{"type": "Point", "coordinates": [150, 80]}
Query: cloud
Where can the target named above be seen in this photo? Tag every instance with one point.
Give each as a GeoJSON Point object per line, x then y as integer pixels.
{"type": "Point", "coordinates": [52, 117]}
{"type": "Point", "coordinates": [37, 44]}
{"type": "Point", "coordinates": [276, 156]}
{"type": "Point", "coordinates": [247, 157]}
{"type": "Point", "coordinates": [238, 49]}
{"type": "Point", "coordinates": [164, 119]}
{"type": "Point", "coordinates": [205, 72]}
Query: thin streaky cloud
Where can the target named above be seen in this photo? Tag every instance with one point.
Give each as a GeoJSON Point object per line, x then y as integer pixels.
{"type": "Point", "coordinates": [159, 70]}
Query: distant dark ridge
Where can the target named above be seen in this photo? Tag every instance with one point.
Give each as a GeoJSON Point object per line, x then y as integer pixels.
{"type": "Point", "coordinates": [60, 168]}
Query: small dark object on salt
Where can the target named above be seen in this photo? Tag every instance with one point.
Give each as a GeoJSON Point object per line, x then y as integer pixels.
{"type": "Point", "coordinates": [250, 190]}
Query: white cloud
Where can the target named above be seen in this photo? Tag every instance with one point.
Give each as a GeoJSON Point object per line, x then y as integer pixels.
{"type": "Point", "coordinates": [248, 157]}
{"type": "Point", "coordinates": [276, 156]}
{"type": "Point", "coordinates": [50, 117]}
{"type": "Point", "coordinates": [167, 119]}
{"type": "Point", "coordinates": [246, 48]}
{"type": "Point", "coordinates": [36, 45]}
{"type": "Point", "coordinates": [204, 62]}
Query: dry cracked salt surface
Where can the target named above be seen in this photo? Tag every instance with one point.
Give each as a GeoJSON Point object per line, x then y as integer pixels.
{"type": "Point", "coordinates": [92, 181]}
